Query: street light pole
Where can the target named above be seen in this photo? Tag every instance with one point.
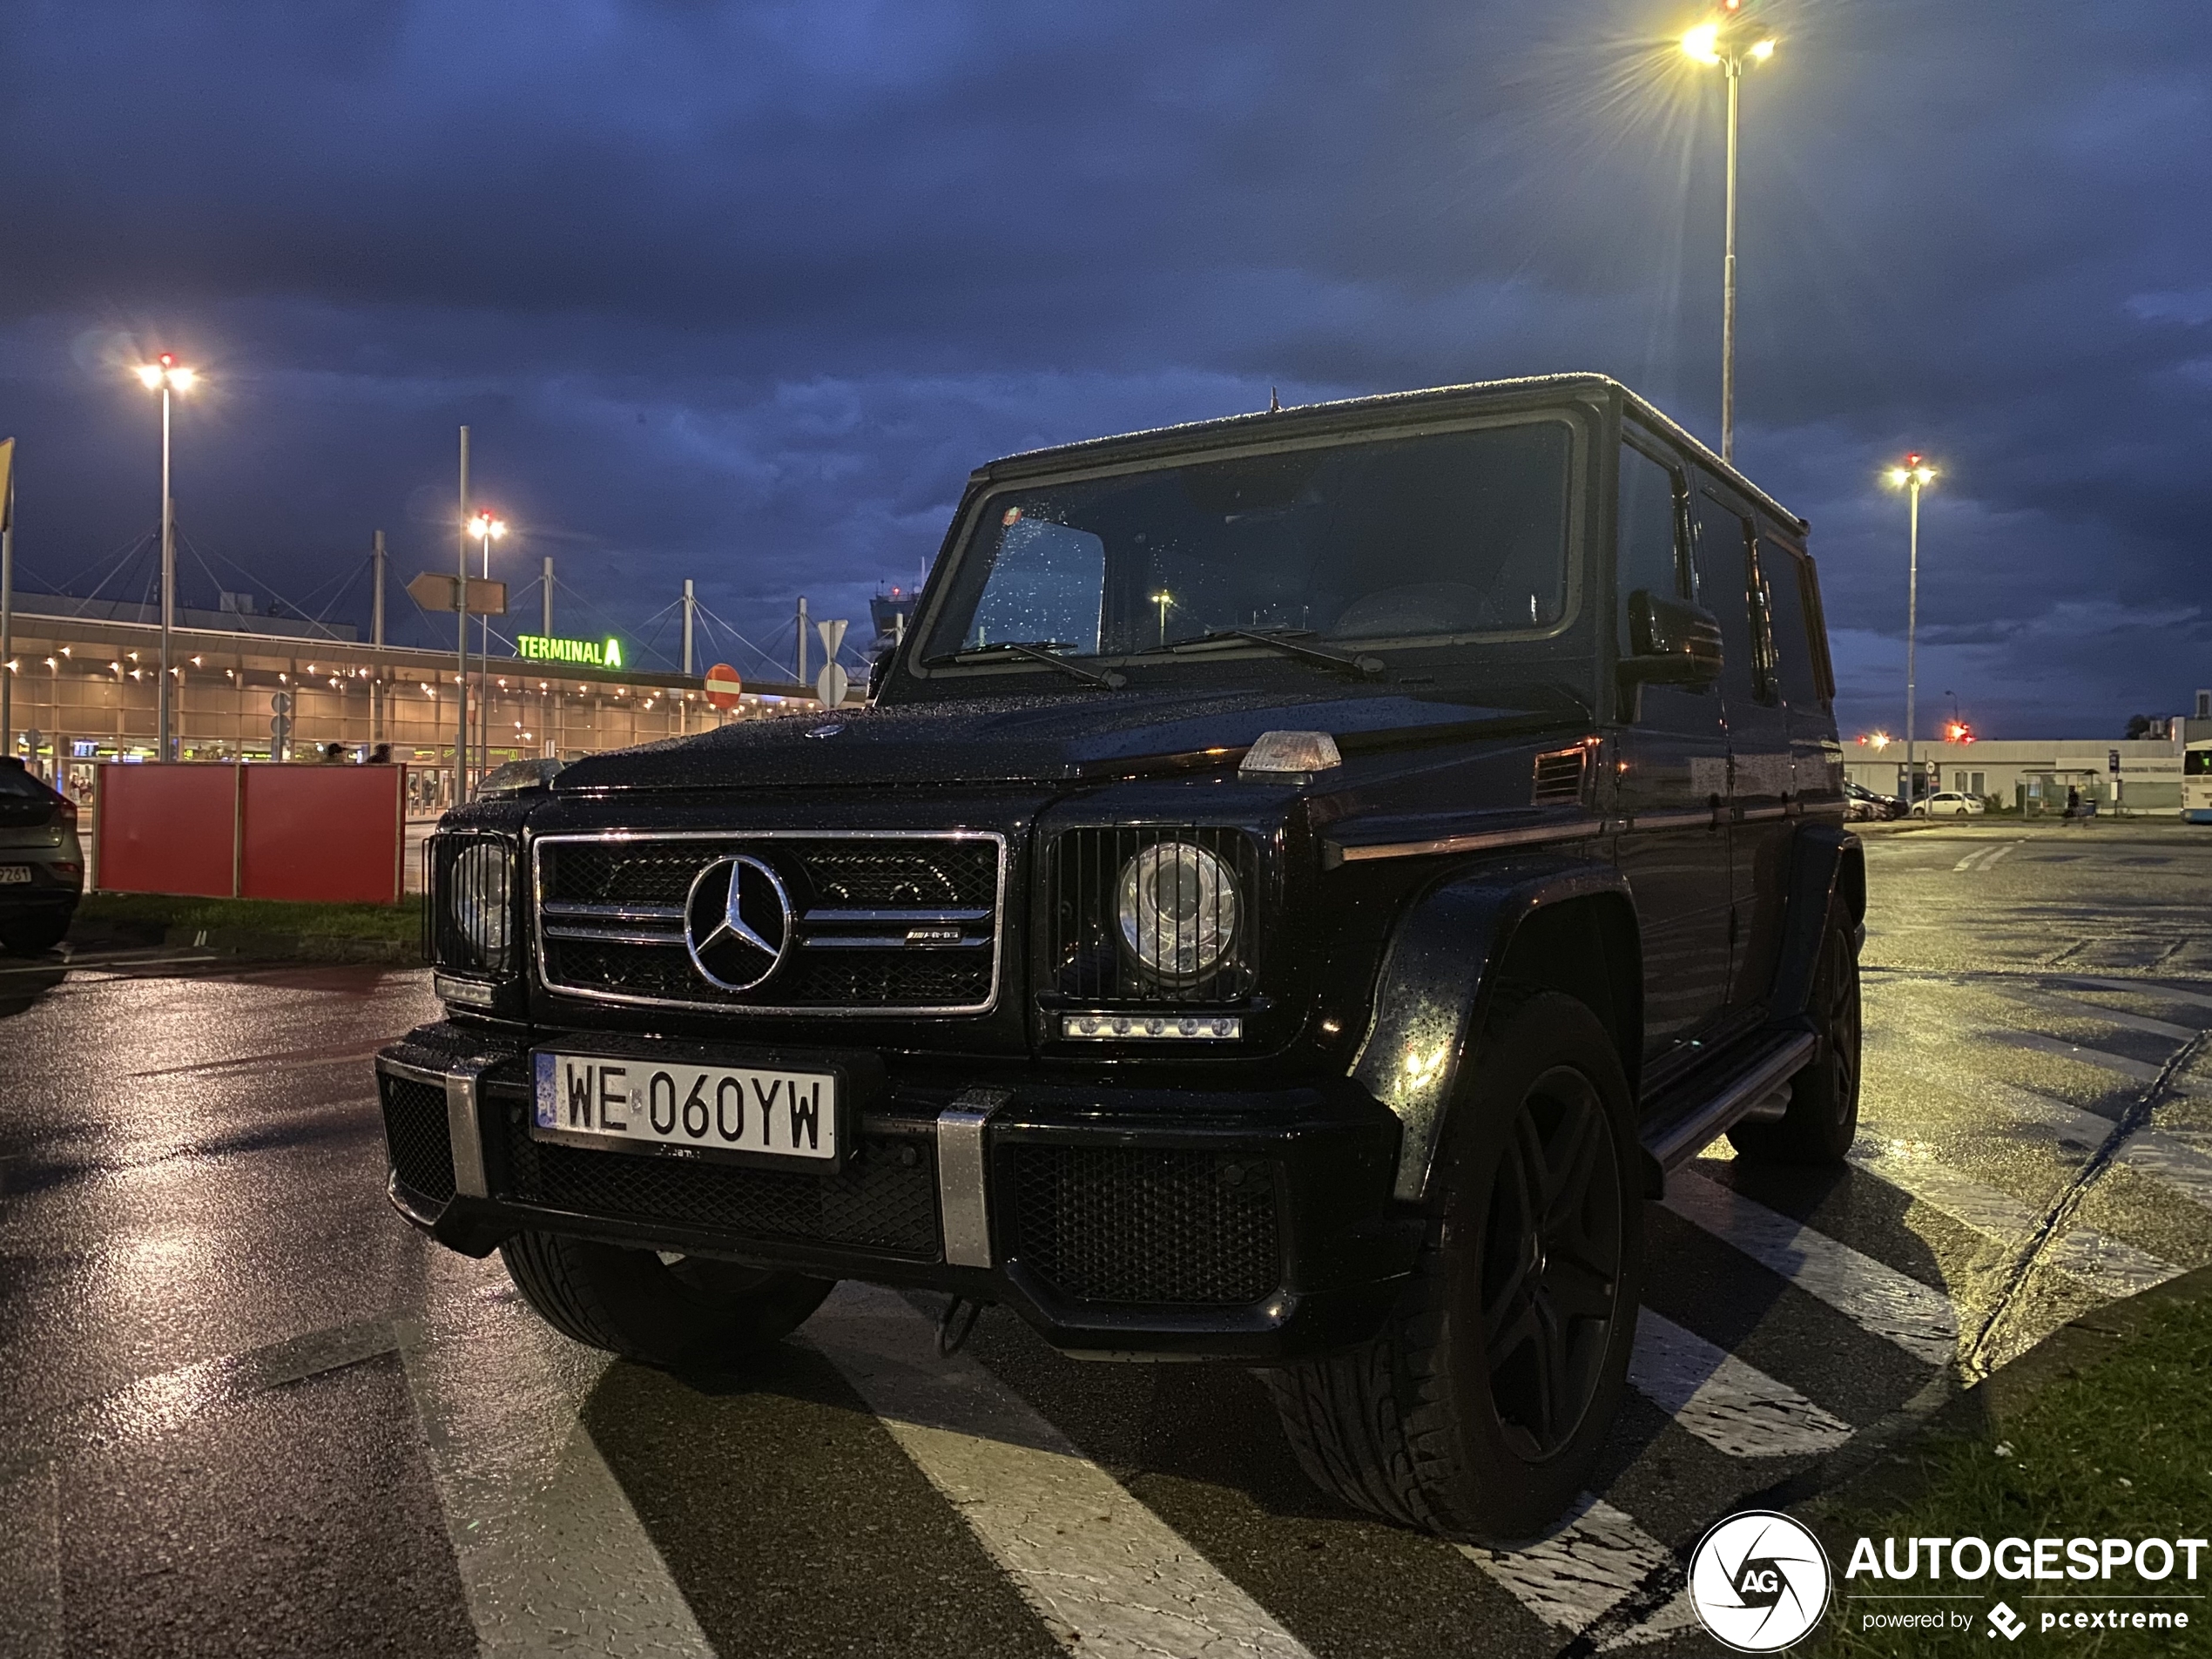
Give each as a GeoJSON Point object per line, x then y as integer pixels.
{"type": "Point", "coordinates": [166, 374]}
{"type": "Point", "coordinates": [1720, 42]}
{"type": "Point", "coordinates": [1910, 477]}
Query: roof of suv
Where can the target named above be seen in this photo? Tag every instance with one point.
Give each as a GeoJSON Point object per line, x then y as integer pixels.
{"type": "Point", "coordinates": [1345, 413]}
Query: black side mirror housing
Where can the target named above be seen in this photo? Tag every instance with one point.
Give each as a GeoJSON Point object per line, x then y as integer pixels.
{"type": "Point", "coordinates": [1675, 644]}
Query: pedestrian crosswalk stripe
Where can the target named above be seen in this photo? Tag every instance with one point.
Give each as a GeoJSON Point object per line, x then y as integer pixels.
{"type": "Point", "coordinates": [2143, 986]}
{"type": "Point", "coordinates": [1731, 1406]}
{"type": "Point", "coordinates": [2114, 1266]}
{"type": "Point", "coordinates": [2077, 1007]}
{"type": "Point", "coordinates": [1108, 1577]}
{"type": "Point", "coordinates": [1595, 1559]}
{"type": "Point", "coordinates": [1874, 1295]}
{"type": "Point", "coordinates": [2150, 1152]}
{"type": "Point", "coordinates": [2142, 1071]}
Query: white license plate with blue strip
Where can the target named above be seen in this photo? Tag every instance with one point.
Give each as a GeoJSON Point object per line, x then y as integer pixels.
{"type": "Point", "coordinates": [621, 1102]}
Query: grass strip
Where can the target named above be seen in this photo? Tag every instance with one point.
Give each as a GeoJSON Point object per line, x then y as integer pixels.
{"type": "Point", "coordinates": [277, 918]}
{"type": "Point", "coordinates": [2120, 1447]}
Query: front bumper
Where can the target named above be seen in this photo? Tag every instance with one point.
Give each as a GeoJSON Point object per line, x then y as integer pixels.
{"type": "Point", "coordinates": [1119, 1222]}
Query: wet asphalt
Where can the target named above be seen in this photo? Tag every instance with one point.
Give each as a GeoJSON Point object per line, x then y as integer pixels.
{"type": "Point", "coordinates": [244, 1410]}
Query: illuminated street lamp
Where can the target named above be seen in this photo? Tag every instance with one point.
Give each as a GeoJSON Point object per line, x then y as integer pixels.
{"type": "Point", "coordinates": [1163, 599]}
{"type": "Point", "coordinates": [1912, 477]}
{"type": "Point", "coordinates": [1726, 41]}
{"type": "Point", "coordinates": [166, 374]}
{"type": "Point", "coordinates": [487, 530]}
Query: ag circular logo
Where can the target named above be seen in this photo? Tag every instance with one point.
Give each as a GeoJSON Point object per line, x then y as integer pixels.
{"type": "Point", "coordinates": [1759, 1581]}
{"type": "Point", "coordinates": [736, 922]}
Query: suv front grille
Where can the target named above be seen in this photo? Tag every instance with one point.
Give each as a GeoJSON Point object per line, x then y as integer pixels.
{"type": "Point", "coordinates": [415, 1136]}
{"type": "Point", "coordinates": [885, 1199]}
{"type": "Point", "coordinates": [1127, 1224]}
{"type": "Point", "coordinates": [906, 922]}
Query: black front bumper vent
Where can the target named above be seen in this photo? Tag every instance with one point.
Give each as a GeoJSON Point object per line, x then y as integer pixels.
{"type": "Point", "coordinates": [1155, 1227]}
{"type": "Point", "coordinates": [416, 1137]}
{"type": "Point", "coordinates": [885, 1200]}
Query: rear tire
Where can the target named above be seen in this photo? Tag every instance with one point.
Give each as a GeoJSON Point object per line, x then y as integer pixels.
{"type": "Point", "coordinates": [1822, 1118]}
{"type": "Point", "coordinates": [27, 934]}
{"type": "Point", "coordinates": [693, 1313]}
{"type": "Point", "coordinates": [1479, 1410]}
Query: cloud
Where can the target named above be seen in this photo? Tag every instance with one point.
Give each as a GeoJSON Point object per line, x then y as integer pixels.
{"type": "Point", "coordinates": [741, 292]}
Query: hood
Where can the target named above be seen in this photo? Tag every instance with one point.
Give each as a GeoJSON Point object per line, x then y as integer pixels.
{"type": "Point", "coordinates": [1034, 739]}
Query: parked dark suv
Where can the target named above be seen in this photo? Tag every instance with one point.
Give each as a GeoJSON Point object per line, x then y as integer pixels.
{"type": "Point", "coordinates": [41, 863]}
{"type": "Point", "coordinates": [1302, 882]}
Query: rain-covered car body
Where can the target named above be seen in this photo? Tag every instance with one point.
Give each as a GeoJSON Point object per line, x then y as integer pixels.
{"type": "Point", "coordinates": [1389, 702]}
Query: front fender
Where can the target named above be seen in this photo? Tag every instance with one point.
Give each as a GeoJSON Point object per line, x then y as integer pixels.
{"type": "Point", "coordinates": [1439, 972]}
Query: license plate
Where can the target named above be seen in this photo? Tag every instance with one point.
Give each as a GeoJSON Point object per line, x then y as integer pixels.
{"type": "Point", "coordinates": [623, 1102]}
{"type": "Point", "coordinates": [15, 875]}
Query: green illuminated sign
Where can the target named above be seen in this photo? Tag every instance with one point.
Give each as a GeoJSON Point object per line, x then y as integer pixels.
{"type": "Point", "coordinates": [591, 653]}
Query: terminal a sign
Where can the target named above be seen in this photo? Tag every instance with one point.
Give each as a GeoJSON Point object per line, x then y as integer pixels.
{"type": "Point", "coordinates": [586, 653]}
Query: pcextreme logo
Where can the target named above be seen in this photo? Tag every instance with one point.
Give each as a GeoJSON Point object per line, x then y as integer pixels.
{"type": "Point", "coordinates": [1759, 1581]}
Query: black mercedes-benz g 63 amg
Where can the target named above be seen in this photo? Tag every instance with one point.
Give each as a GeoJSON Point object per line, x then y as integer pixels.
{"type": "Point", "coordinates": [1301, 882]}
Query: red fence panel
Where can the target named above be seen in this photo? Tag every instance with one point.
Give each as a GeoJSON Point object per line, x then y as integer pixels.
{"type": "Point", "coordinates": [166, 829]}
{"type": "Point", "coordinates": [329, 833]}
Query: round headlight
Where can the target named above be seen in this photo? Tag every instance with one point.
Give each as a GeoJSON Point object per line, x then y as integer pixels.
{"type": "Point", "coordinates": [480, 908]}
{"type": "Point", "coordinates": [1178, 909]}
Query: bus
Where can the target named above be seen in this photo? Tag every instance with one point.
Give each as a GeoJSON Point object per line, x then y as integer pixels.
{"type": "Point", "coordinates": [2196, 782]}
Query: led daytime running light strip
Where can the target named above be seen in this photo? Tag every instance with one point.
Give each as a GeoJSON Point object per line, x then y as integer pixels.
{"type": "Point", "coordinates": [1206, 1027]}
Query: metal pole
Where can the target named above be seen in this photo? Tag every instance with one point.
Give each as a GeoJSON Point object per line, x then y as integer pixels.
{"type": "Point", "coordinates": [1911, 636]}
{"type": "Point", "coordinates": [802, 641]}
{"type": "Point", "coordinates": [1728, 273]}
{"type": "Point", "coordinates": [461, 608]}
{"type": "Point", "coordinates": [168, 581]}
{"type": "Point", "coordinates": [376, 639]}
{"type": "Point", "coordinates": [690, 603]}
{"type": "Point", "coordinates": [546, 599]}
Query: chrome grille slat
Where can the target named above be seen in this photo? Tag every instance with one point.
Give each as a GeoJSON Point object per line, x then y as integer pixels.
{"type": "Point", "coordinates": [858, 895]}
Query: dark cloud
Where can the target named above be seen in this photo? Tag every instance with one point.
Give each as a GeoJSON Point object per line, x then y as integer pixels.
{"type": "Point", "coordinates": [742, 291]}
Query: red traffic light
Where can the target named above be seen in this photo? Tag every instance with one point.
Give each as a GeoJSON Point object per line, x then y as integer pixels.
{"type": "Point", "coordinates": [1957, 731]}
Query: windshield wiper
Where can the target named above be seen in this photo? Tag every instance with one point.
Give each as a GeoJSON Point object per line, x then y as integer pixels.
{"type": "Point", "coordinates": [1036, 653]}
{"type": "Point", "coordinates": [1290, 642]}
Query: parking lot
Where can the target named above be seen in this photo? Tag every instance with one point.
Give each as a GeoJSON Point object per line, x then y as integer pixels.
{"type": "Point", "coordinates": [243, 1409]}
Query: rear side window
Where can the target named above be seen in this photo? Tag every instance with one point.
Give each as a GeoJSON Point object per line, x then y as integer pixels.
{"type": "Point", "coordinates": [1731, 586]}
{"type": "Point", "coordinates": [1797, 658]}
{"type": "Point", "coordinates": [15, 784]}
{"type": "Point", "coordinates": [1649, 538]}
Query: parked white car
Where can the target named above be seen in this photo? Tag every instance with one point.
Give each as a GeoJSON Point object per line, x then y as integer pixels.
{"type": "Point", "coordinates": [1950, 803]}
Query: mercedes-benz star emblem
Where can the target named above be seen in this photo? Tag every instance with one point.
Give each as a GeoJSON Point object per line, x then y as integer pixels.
{"type": "Point", "coordinates": [736, 922]}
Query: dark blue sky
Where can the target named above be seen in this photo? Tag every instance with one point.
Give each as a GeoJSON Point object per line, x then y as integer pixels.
{"type": "Point", "coordinates": [742, 291]}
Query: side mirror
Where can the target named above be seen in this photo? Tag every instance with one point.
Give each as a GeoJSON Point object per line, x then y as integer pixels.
{"type": "Point", "coordinates": [1674, 643]}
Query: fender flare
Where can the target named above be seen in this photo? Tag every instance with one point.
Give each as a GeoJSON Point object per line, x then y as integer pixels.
{"type": "Point", "coordinates": [1433, 991]}
{"type": "Point", "coordinates": [1827, 862]}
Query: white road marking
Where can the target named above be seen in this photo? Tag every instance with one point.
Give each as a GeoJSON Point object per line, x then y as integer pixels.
{"type": "Point", "coordinates": [1871, 1294]}
{"type": "Point", "coordinates": [2150, 987]}
{"type": "Point", "coordinates": [1734, 1407]}
{"type": "Point", "coordinates": [1106, 1575]}
{"type": "Point", "coordinates": [1982, 857]}
{"type": "Point", "coordinates": [1583, 1569]}
{"type": "Point", "coordinates": [2142, 1071]}
{"type": "Point", "coordinates": [2075, 1008]}
{"type": "Point", "coordinates": [2118, 1268]}
{"type": "Point", "coordinates": [551, 1555]}
{"type": "Point", "coordinates": [2149, 1152]}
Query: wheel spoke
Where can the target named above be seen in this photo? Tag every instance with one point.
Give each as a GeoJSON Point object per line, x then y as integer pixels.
{"type": "Point", "coordinates": [1550, 1352]}
{"type": "Point", "coordinates": [1577, 1144]}
{"type": "Point", "coordinates": [1511, 1299]}
{"type": "Point", "coordinates": [1581, 1288]}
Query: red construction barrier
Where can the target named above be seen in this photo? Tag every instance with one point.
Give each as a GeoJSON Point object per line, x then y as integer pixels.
{"type": "Point", "coordinates": [332, 833]}
{"type": "Point", "coordinates": [215, 830]}
{"type": "Point", "coordinates": [167, 829]}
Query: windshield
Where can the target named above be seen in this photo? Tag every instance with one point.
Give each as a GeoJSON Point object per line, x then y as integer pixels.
{"type": "Point", "coordinates": [1444, 536]}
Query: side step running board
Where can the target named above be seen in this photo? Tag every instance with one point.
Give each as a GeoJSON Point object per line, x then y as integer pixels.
{"type": "Point", "coordinates": [1674, 1144]}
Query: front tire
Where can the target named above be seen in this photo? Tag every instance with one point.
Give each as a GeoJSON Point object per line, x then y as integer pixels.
{"type": "Point", "coordinates": [1479, 1411]}
{"type": "Point", "coordinates": [692, 1314]}
{"type": "Point", "coordinates": [1822, 1118]}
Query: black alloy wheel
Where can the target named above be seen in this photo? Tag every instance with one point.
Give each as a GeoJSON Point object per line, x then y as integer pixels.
{"type": "Point", "coordinates": [1822, 1118]}
{"type": "Point", "coordinates": [1551, 1264]}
